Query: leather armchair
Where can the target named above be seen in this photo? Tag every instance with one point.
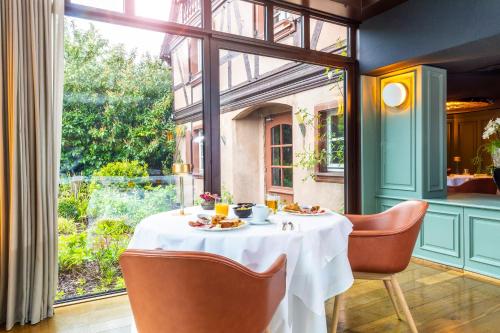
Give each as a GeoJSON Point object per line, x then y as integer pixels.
{"type": "Point", "coordinates": [194, 292]}
{"type": "Point", "coordinates": [381, 246]}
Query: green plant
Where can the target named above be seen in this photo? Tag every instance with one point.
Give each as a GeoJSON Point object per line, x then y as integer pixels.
{"type": "Point", "coordinates": [117, 104]}
{"type": "Point", "coordinates": [73, 251]}
{"type": "Point", "coordinates": [120, 283]}
{"type": "Point", "coordinates": [66, 226]}
{"type": "Point", "coordinates": [131, 205]}
{"type": "Point", "coordinates": [59, 295]}
{"type": "Point", "coordinates": [226, 196]}
{"type": "Point", "coordinates": [69, 208]}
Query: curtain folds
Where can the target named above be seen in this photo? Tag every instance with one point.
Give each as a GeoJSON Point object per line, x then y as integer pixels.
{"type": "Point", "coordinates": [31, 84]}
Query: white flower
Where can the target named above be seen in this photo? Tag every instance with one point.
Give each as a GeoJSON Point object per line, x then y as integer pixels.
{"type": "Point", "coordinates": [492, 128]}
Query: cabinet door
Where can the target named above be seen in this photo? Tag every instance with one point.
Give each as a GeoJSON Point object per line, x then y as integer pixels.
{"type": "Point", "coordinates": [440, 237]}
{"type": "Point", "coordinates": [482, 241]}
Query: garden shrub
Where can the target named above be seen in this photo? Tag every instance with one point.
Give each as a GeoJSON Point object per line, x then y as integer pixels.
{"type": "Point", "coordinates": [73, 251]}
{"type": "Point", "coordinates": [69, 208]}
{"type": "Point", "coordinates": [132, 169]}
{"type": "Point", "coordinates": [66, 226]}
{"type": "Point", "coordinates": [133, 205]}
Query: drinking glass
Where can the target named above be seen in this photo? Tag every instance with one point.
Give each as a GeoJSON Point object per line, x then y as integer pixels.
{"type": "Point", "coordinates": [272, 201]}
{"type": "Point", "coordinates": [221, 207]}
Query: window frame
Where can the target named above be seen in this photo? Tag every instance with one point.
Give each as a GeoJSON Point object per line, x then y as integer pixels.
{"type": "Point", "coordinates": [213, 41]}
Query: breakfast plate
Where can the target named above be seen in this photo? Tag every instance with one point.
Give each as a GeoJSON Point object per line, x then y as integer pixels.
{"type": "Point", "coordinates": [217, 223]}
{"type": "Point", "coordinates": [296, 209]}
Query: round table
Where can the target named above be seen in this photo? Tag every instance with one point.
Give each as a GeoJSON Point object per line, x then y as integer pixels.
{"type": "Point", "coordinates": [317, 264]}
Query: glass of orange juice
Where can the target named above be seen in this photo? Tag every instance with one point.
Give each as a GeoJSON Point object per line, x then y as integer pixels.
{"type": "Point", "coordinates": [221, 207]}
{"type": "Point", "coordinates": [272, 201]}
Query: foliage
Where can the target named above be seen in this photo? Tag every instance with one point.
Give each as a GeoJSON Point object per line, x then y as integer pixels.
{"type": "Point", "coordinates": [117, 104]}
{"type": "Point", "coordinates": [132, 205]}
{"type": "Point", "coordinates": [129, 174]}
{"type": "Point", "coordinates": [73, 251]}
{"type": "Point", "coordinates": [492, 132]}
{"type": "Point", "coordinates": [66, 226]}
{"type": "Point", "coordinates": [133, 169]}
{"type": "Point", "coordinates": [68, 208]}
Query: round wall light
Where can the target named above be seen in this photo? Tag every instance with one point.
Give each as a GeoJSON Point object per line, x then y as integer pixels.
{"type": "Point", "coordinates": [394, 94]}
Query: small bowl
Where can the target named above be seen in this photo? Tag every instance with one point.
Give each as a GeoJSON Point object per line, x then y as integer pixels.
{"type": "Point", "coordinates": [243, 211]}
{"type": "Point", "coordinates": [245, 204]}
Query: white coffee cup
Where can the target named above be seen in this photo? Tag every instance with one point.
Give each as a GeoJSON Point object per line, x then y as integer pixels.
{"type": "Point", "coordinates": [260, 212]}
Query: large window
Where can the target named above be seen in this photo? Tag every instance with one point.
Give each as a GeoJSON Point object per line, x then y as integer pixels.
{"type": "Point", "coordinates": [119, 141]}
{"type": "Point", "coordinates": [179, 91]}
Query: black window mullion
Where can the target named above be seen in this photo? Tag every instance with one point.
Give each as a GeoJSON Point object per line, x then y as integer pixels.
{"type": "Point", "coordinates": [269, 8]}
{"type": "Point", "coordinates": [306, 31]}
{"type": "Point", "coordinates": [206, 14]}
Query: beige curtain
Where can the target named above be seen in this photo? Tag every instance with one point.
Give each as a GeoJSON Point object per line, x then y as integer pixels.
{"type": "Point", "coordinates": [31, 69]}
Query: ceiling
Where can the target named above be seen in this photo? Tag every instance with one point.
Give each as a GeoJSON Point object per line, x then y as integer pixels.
{"type": "Point", "coordinates": [356, 10]}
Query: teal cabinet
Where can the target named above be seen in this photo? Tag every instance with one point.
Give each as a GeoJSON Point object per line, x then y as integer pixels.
{"type": "Point", "coordinates": [441, 235]}
{"type": "Point", "coordinates": [482, 241]}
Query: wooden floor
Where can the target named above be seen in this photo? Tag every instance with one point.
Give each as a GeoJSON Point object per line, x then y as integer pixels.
{"type": "Point", "coordinates": [441, 300]}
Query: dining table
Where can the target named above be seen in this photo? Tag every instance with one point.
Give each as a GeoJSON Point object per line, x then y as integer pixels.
{"type": "Point", "coordinates": [317, 263]}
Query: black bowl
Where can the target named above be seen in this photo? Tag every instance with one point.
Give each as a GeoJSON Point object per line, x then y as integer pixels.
{"type": "Point", "coordinates": [242, 211]}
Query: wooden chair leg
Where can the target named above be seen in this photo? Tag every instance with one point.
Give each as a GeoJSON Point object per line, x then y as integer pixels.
{"type": "Point", "coordinates": [402, 302]}
{"type": "Point", "coordinates": [392, 296]}
{"type": "Point", "coordinates": [336, 311]}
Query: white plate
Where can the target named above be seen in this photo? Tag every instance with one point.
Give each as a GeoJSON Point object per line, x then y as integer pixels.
{"type": "Point", "coordinates": [326, 212]}
{"type": "Point", "coordinates": [207, 227]}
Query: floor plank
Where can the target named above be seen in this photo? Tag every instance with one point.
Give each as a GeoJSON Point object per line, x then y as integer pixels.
{"type": "Point", "coordinates": [441, 300]}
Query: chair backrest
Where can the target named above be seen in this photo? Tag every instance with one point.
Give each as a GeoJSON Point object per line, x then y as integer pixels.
{"type": "Point", "coordinates": [193, 292]}
{"type": "Point", "coordinates": [475, 185]}
{"type": "Point", "coordinates": [383, 243]}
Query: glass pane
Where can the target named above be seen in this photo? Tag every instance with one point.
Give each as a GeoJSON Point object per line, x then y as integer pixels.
{"type": "Point", "coordinates": [288, 177]}
{"type": "Point", "coordinates": [276, 156]}
{"type": "Point", "coordinates": [113, 5]}
{"type": "Point", "coordinates": [287, 156]}
{"type": "Point", "coordinates": [184, 12]}
{"type": "Point", "coordinates": [249, 128]}
{"type": "Point", "coordinates": [335, 140]}
{"type": "Point", "coordinates": [329, 37]}
{"type": "Point", "coordinates": [287, 27]}
{"type": "Point", "coordinates": [243, 18]}
{"type": "Point", "coordinates": [276, 175]}
{"type": "Point", "coordinates": [287, 134]}
{"type": "Point", "coordinates": [275, 135]}
{"type": "Point", "coordinates": [119, 142]}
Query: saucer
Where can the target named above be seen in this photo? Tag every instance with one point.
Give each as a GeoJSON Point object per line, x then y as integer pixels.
{"type": "Point", "coordinates": [251, 220]}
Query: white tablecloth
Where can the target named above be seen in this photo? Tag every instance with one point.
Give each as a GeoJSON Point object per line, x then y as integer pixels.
{"type": "Point", "coordinates": [317, 264]}
{"type": "Point", "coordinates": [457, 180]}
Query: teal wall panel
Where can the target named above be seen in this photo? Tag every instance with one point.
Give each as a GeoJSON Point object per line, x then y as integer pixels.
{"type": "Point", "coordinates": [441, 235]}
{"type": "Point", "coordinates": [482, 241]}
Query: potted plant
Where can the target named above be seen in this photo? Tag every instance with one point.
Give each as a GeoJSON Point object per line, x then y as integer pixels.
{"type": "Point", "coordinates": [492, 132]}
{"type": "Point", "coordinates": [208, 200]}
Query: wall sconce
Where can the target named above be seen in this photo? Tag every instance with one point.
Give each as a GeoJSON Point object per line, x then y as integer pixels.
{"type": "Point", "coordinates": [394, 94]}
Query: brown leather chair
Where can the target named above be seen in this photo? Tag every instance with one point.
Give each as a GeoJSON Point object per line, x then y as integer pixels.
{"type": "Point", "coordinates": [381, 246]}
{"type": "Point", "coordinates": [475, 185]}
{"type": "Point", "coordinates": [194, 292]}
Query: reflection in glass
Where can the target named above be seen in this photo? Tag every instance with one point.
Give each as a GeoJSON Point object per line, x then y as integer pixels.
{"type": "Point", "coordinates": [287, 177]}
{"type": "Point", "coordinates": [243, 18]}
{"type": "Point", "coordinates": [287, 156]}
{"type": "Point", "coordinates": [276, 135]}
{"type": "Point", "coordinates": [287, 27]}
{"type": "Point", "coordinates": [328, 37]}
{"type": "Point", "coordinates": [276, 156]}
{"type": "Point", "coordinates": [287, 134]}
{"type": "Point", "coordinates": [276, 175]}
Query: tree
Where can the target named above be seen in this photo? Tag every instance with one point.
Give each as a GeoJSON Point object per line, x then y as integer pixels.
{"type": "Point", "coordinates": [117, 105]}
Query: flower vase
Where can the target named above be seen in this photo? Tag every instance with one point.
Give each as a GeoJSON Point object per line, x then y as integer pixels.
{"type": "Point", "coordinates": [495, 156]}
{"type": "Point", "coordinates": [208, 205]}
